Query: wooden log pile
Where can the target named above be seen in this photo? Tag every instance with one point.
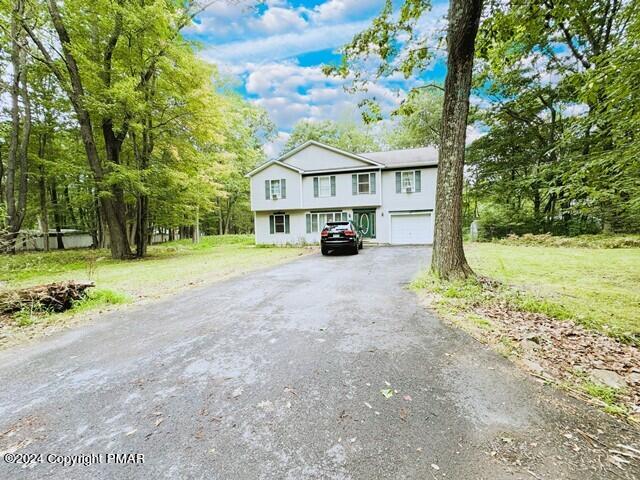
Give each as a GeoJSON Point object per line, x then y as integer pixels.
{"type": "Point", "coordinates": [53, 297]}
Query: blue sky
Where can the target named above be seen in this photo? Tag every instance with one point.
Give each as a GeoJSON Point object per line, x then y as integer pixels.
{"type": "Point", "coordinates": [275, 50]}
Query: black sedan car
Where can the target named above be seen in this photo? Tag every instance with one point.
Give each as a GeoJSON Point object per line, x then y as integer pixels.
{"type": "Point", "coordinates": [340, 236]}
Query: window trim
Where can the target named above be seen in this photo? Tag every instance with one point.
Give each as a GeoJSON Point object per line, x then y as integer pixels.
{"type": "Point", "coordinates": [408, 174]}
{"type": "Point", "coordinates": [367, 183]}
{"type": "Point", "coordinates": [271, 185]}
{"type": "Point", "coordinates": [275, 223]}
{"type": "Point", "coordinates": [328, 179]}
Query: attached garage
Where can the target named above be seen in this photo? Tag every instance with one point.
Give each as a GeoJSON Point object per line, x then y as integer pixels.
{"type": "Point", "coordinates": [411, 228]}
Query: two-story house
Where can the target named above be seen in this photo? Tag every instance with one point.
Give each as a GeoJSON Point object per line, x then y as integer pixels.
{"type": "Point", "coordinates": [390, 195]}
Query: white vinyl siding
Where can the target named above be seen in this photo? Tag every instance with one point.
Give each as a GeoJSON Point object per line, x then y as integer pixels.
{"type": "Point", "coordinates": [290, 184]}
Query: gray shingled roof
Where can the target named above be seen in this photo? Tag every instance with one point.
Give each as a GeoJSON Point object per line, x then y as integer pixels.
{"type": "Point", "coordinates": [411, 156]}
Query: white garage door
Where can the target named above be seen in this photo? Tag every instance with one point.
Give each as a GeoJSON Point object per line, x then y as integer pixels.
{"type": "Point", "coordinates": [414, 228]}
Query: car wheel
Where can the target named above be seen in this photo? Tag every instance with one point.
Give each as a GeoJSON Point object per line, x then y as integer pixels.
{"type": "Point", "coordinates": [356, 250]}
{"type": "Point", "coordinates": [360, 245]}
{"type": "Point", "coordinates": [324, 250]}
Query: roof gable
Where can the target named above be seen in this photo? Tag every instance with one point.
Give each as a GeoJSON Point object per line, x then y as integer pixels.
{"type": "Point", "coordinates": [259, 168]}
{"type": "Point", "coordinates": [312, 156]}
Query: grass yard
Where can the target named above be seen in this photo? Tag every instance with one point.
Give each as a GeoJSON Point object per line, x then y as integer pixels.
{"type": "Point", "coordinates": [599, 288]}
{"type": "Point", "coordinates": [168, 268]}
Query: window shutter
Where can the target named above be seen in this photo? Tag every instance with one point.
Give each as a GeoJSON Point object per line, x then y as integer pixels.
{"type": "Point", "coordinates": [286, 224]}
{"type": "Point", "coordinates": [283, 188]}
{"type": "Point", "coordinates": [418, 182]}
{"type": "Point", "coordinates": [272, 224]}
{"type": "Point", "coordinates": [398, 182]}
{"type": "Point", "coordinates": [308, 222]}
{"type": "Point", "coordinates": [354, 184]}
{"type": "Point", "coordinates": [315, 186]}
{"type": "Point", "coordinates": [333, 185]}
{"type": "Point", "coordinates": [267, 189]}
{"type": "Point", "coordinates": [372, 183]}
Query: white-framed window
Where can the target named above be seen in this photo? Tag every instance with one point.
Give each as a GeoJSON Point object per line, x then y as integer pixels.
{"type": "Point", "coordinates": [275, 188]}
{"type": "Point", "coordinates": [363, 183]}
{"type": "Point", "coordinates": [408, 181]}
{"type": "Point", "coordinates": [317, 220]}
{"type": "Point", "coordinates": [278, 223]}
{"type": "Point", "coordinates": [324, 186]}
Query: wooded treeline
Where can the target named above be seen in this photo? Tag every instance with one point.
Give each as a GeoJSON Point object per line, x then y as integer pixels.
{"type": "Point", "coordinates": [561, 82]}
{"type": "Point", "coordinates": [556, 98]}
{"type": "Point", "coordinates": [116, 127]}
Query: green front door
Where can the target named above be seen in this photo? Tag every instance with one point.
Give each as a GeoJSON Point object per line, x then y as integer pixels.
{"type": "Point", "coordinates": [365, 220]}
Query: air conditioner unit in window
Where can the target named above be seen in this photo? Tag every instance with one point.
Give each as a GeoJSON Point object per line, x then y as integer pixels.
{"type": "Point", "coordinates": [408, 190]}
{"type": "Point", "coordinates": [274, 197]}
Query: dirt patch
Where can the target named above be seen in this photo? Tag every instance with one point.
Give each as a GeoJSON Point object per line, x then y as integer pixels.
{"type": "Point", "coordinates": [566, 351]}
{"type": "Point", "coordinates": [560, 352]}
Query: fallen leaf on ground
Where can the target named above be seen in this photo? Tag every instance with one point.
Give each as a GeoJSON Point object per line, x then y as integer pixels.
{"type": "Point", "coordinates": [387, 392]}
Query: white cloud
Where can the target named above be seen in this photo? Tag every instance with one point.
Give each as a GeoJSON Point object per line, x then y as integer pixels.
{"type": "Point", "coordinates": [575, 109]}
{"type": "Point", "coordinates": [286, 45]}
{"type": "Point", "coordinates": [222, 18]}
{"type": "Point", "coordinates": [539, 67]}
{"type": "Point", "coordinates": [260, 46]}
{"type": "Point", "coordinates": [279, 19]}
{"type": "Point", "coordinates": [334, 10]}
{"type": "Point", "coordinates": [476, 131]}
{"type": "Point", "coordinates": [274, 148]}
{"type": "Point", "coordinates": [480, 102]}
{"type": "Point", "coordinates": [290, 93]}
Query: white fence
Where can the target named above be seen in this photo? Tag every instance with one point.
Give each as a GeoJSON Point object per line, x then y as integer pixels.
{"type": "Point", "coordinates": [28, 241]}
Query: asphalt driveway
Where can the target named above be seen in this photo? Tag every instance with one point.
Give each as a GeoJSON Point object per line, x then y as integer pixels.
{"type": "Point", "coordinates": [278, 375]}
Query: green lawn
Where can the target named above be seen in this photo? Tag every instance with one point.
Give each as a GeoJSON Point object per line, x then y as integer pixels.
{"type": "Point", "coordinates": [600, 288]}
{"type": "Point", "coordinates": [168, 267]}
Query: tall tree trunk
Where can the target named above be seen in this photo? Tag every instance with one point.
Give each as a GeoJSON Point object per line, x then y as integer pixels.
{"type": "Point", "coordinates": [57, 217]}
{"type": "Point", "coordinates": [142, 222]}
{"type": "Point", "coordinates": [195, 230]}
{"type": "Point", "coordinates": [449, 261]}
{"type": "Point", "coordinates": [97, 233]}
{"type": "Point", "coordinates": [230, 203]}
{"type": "Point", "coordinates": [44, 211]}
{"type": "Point", "coordinates": [220, 218]}
{"type": "Point", "coordinates": [112, 205]}
{"type": "Point", "coordinates": [19, 140]}
{"type": "Point", "coordinates": [143, 156]}
{"type": "Point", "coordinates": [1, 173]}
